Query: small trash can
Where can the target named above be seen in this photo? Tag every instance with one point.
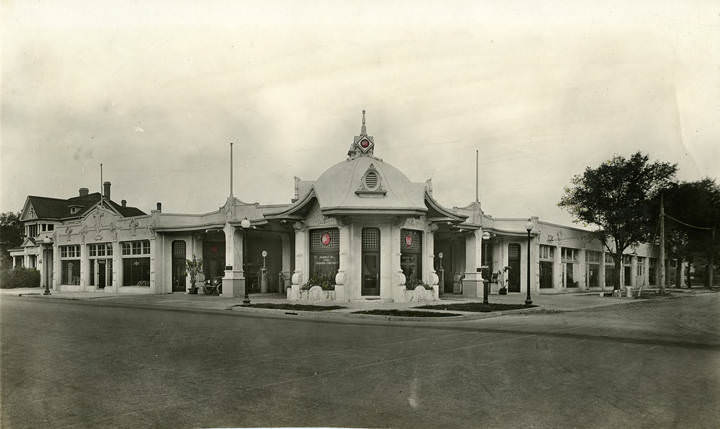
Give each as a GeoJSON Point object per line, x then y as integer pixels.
{"type": "Point", "coordinates": [629, 292]}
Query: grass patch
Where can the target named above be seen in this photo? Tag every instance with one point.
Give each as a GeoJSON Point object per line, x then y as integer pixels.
{"type": "Point", "coordinates": [406, 313]}
{"type": "Point", "coordinates": [477, 307]}
{"type": "Point", "coordinates": [298, 307]}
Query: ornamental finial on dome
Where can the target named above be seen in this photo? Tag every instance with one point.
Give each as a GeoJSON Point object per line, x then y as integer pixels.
{"type": "Point", "coordinates": [363, 144]}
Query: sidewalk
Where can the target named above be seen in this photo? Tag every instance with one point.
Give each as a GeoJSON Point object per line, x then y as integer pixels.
{"type": "Point", "coordinates": [570, 302]}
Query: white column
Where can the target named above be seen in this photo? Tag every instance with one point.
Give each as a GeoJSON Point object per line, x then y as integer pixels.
{"type": "Point", "coordinates": [116, 267]}
{"type": "Point", "coordinates": [472, 284]}
{"type": "Point", "coordinates": [344, 264]}
{"type": "Point", "coordinates": [286, 255]}
{"type": "Point", "coordinates": [84, 267]}
{"type": "Point", "coordinates": [580, 276]}
{"type": "Point", "coordinates": [234, 279]}
{"type": "Point", "coordinates": [398, 278]}
{"type": "Point", "coordinates": [153, 265]}
{"type": "Point", "coordinates": [557, 267]}
{"type": "Point", "coordinates": [56, 267]}
{"type": "Point", "coordinates": [601, 273]}
{"type": "Point", "coordinates": [633, 271]}
{"type": "Point", "coordinates": [301, 261]}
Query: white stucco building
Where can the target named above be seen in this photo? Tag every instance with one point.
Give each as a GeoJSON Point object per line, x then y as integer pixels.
{"type": "Point", "coordinates": [361, 230]}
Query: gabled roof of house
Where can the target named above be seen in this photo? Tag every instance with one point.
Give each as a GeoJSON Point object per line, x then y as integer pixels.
{"type": "Point", "coordinates": [57, 208]}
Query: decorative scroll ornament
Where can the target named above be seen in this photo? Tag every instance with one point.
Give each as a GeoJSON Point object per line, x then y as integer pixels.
{"type": "Point", "coordinates": [133, 226]}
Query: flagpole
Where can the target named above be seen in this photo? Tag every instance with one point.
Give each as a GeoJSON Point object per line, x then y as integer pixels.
{"type": "Point", "coordinates": [231, 170]}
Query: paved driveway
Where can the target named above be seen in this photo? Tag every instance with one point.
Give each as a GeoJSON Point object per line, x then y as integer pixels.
{"type": "Point", "coordinates": [83, 364]}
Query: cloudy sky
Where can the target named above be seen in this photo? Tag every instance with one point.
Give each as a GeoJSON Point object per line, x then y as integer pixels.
{"type": "Point", "coordinates": [156, 90]}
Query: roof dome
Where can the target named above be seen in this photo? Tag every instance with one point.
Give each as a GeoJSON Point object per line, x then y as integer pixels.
{"type": "Point", "coordinates": [367, 183]}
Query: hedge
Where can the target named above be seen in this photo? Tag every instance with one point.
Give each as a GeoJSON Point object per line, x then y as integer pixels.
{"type": "Point", "coordinates": [19, 277]}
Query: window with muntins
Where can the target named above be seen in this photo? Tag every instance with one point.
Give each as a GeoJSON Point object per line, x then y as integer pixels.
{"type": "Point", "coordinates": [411, 256]}
{"type": "Point", "coordinates": [138, 247]}
{"type": "Point", "coordinates": [547, 252]}
{"type": "Point", "coordinates": [100, 250]}
{"type": "Point", "coordinates": [324, 256]}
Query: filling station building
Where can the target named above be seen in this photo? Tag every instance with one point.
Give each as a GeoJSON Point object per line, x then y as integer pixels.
{"type": "Point", "coordinates": [361, 231]}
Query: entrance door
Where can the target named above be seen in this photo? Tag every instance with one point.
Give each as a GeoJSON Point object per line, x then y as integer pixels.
{"type": "Point", "coordinates": [101, 267]}
{"type": "Point", "coordinates": [370, 262]}
{"type": "Point", "coordinates": [514, 263]}
{"type": "Point", "coordinates": [178, 266]}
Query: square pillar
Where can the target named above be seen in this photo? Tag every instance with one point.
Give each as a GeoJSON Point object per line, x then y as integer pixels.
{"type": "Point", "coordinates": [116, 268]}
{"type": "Point", "coordinates": [601, 273]}
{"type": "Point", "coordinates": [342, 275]}
{"type": "Point", "coordinates": [233, 283]}
{"type": "Point", "coordinates": [286, 262]}
{"type": "Point", "coordinates": [398, 278]}
{"type": "Point", "coordinates": [473, 282]}
{"type": "Point", "coordinates": [301, 261]}
{"type": "Point", "coordinates": [557, 268]}
{"type": "Point", "coordinates": [56, 267]}
{"type": "Point", "coordinates": [84, 267]}
{"type": "Point", "coordinates": [582, 270]}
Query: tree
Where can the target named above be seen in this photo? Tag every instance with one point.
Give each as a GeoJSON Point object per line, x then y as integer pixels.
{"type": "Point", "coordinates": [11, 235]}
{"type": "Point", "coordinates": [615, 198]}
{"type": "Point", "coordinates": [693, 209]}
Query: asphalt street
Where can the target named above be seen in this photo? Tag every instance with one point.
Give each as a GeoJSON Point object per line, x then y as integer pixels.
{"type": "Point", "coordinates": [86, 364]}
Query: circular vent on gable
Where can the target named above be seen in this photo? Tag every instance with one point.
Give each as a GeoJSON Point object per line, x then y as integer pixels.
{"type": "Point", "coordinates": [371, 180]}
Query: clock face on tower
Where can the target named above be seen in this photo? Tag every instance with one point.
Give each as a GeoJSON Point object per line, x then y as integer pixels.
{"type": "Point", "coordinates": [364, 143]}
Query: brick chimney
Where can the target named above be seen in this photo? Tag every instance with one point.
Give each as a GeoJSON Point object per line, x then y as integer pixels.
{"type": "Point", "coordinates": [123, 203]}
{"type": "Point", "coordinates": [106, 190]}
{"type": "Point", "coordinates": [83, 192]}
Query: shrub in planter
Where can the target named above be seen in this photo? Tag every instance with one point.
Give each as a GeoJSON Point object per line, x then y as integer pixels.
{"type": "Point", "coordinates": [325, 282]}
{"type": "Point", "coordinates": [19, 277]}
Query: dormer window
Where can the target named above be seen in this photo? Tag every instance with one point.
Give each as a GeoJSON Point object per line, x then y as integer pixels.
{"type": "Point", "coordinates": [371, 180]}
{"type": "Point", "coordinates": [370, 184]}
{"type": "Point", "coordinates": [75, 209]}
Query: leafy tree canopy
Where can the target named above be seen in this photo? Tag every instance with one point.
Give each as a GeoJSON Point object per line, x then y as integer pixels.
{"type": "Point", "coordinates": [11, 235]}
{"type": "Point", "coordinates": [689, 205]}
{"type": "Point", "coordinates": [616, 196]}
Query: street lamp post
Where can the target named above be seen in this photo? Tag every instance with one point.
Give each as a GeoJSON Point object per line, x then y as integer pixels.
{"type": "Point", "coordinates": [485, 278]}
{"type": "Point", "coordinates": [45, 270]}
{"type": "Point", "coordinates": [245, 224]}
{"type": "Point", "coordinates": [528, 228]}
{"type": "Point", "coordinates": [441, 276]}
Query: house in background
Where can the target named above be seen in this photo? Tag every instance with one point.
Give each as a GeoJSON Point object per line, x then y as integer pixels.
{"type": "Point", "coordinates": [41, 216]}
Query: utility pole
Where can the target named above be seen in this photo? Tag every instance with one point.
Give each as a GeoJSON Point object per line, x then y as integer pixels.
{"type": "Point", "coordinates": [711, 261]}
{"type": "Point", "coordinates": [662, 245]}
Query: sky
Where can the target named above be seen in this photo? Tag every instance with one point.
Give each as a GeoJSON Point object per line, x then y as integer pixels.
{"type": "Point", "coordinates": [156, 90]}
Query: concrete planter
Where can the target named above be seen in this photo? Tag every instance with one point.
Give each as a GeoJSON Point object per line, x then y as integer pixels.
{"type": "Point", "coordinates": [316, 294]}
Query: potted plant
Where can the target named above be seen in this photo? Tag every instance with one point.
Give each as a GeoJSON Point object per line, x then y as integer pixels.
{"type": "Point", "coordinates": [194, 268]}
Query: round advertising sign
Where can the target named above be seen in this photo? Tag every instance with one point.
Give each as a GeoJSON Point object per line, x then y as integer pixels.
{"type": "Point", "coordinates": [408, 240]}
{"type": "Point", "coordinates": [325, 239]}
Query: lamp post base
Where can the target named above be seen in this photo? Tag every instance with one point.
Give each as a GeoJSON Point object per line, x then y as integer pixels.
{"type": "Point", "coordinates": [46, 292]}
{"type": "Point", "coordinates": [528, 301]}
